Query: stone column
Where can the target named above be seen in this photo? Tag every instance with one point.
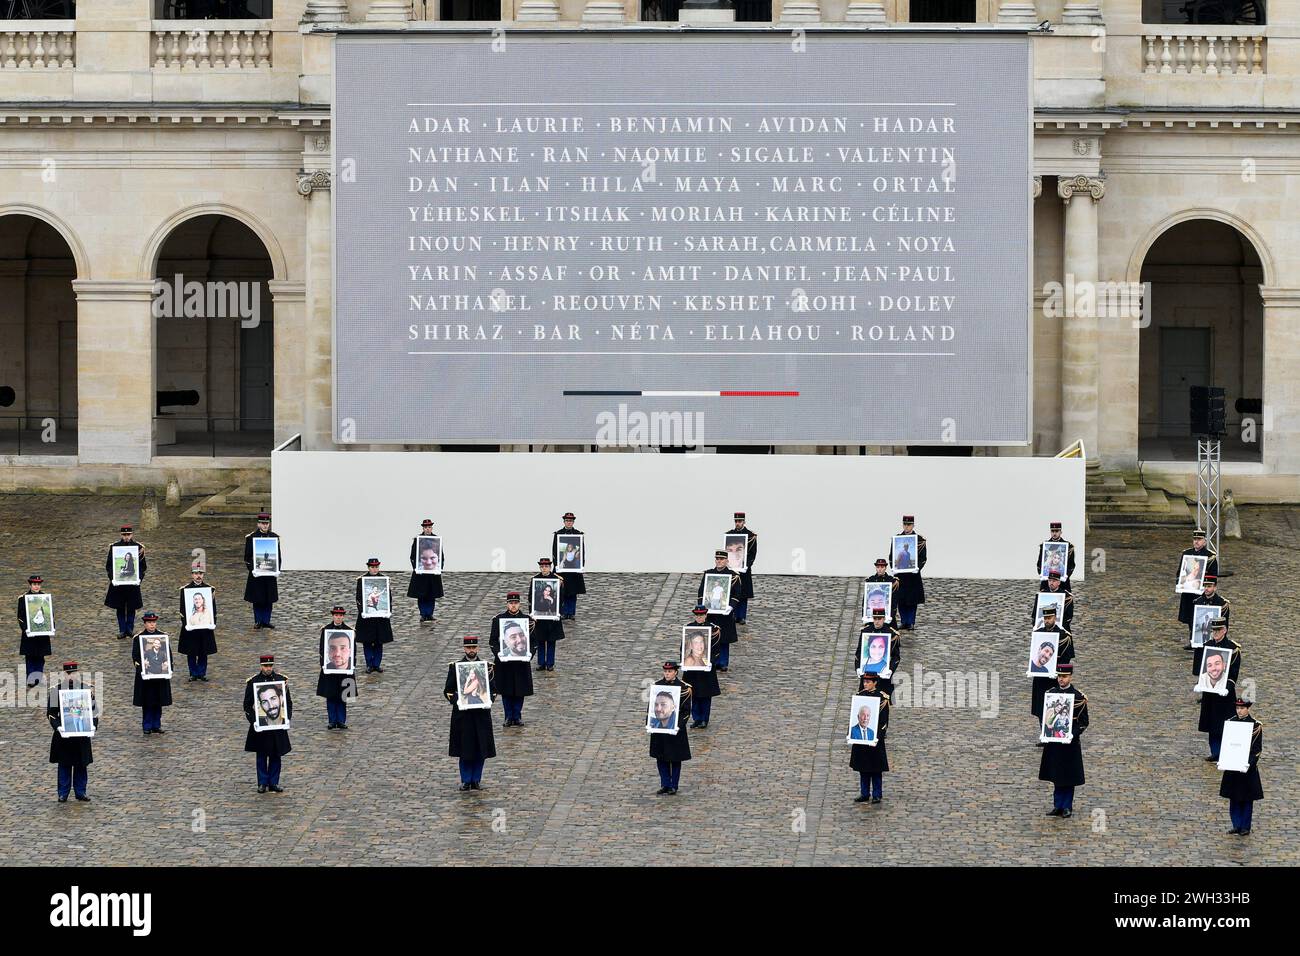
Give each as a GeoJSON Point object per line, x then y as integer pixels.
{"type": "Point", "coordinates": [603, 11]}
{"type": "Point", "coordinates": [115, 371]}
{"type": "Point", "coordinates": [325, 11]}
{"type": "Point", "coordinates": [389, 11]}
{"type": "Point", "coordinates": [860, 12]}
{"type": "Point", "coordinates": [288, 303]}
{"type": "Point", "coordinates": [1080, 372]}
{"type": "Point", "coordinates": [537, 11]}
{"type": "Point", "coordinates": [1018, 12]}
{"type": "Point", "coordinates": [314, 184]}
{"type": "Point", "coordinates": [801, 11]}
{"type": "Point", "coordinates": [1081, 13]}
{"type": "Point", "coordinates": [1280, 429]}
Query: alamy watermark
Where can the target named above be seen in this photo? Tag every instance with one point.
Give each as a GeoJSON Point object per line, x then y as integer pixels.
{"type": "Point", "coordinates": [210, 299]}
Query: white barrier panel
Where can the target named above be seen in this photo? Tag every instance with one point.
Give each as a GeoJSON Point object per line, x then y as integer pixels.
{"type": "Point", "coordinates": [814, 514]}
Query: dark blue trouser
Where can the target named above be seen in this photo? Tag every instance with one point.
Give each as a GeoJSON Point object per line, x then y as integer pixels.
{"type": "Point", "coordinates": [35, 665]}
{"type": "Point", "coordinates": [700, 708]}
{"type": "Point", "coordinates": [70, 776]}
{"type": "Point", "coordinates": [337, 711]}
{"type": "Point", "coordinates": [151, 718]}
{"type": "Point", "coordinates": [471, 771]}
{"type": "Point", "coordinates": [198, 664]}
{"type": "Point", "coordinates": [1216, 741]}
{"type": "Point", "coordinates": [569, 605]}
{"type": "Point", "coordinates": [513, 707]}
{"type": "Point", "coordinates": [742, 610]}
{"type": "Point", "coordinates": [1062, 797]}
{"type": "Point", "coordinates": [427, 606]}
{"type": "Point", "coordinates": [907, 614]}
{"type": "Point", "coordinates": [724, 656]}
{"type": "Point", "coordinates": [669, 773]}
{"type": "Point", "coordinates": [546, 654]}
{"type": "Point", "coordinates": [869, 784]}
{"type": "Point", "coordinates": [125, 621]}
{"type": "Point", "coordinates": [262, 613]}
{"type": "Point", "coordinates": [268, 770]}
{"type": "Point", "coordinates": [374, 654]}
{"type": "Point", "coordinates": [1241, 812]}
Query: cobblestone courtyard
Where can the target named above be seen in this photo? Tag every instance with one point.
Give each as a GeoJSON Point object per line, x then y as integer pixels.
{"type": "Point", "coordinates": [769, 782]}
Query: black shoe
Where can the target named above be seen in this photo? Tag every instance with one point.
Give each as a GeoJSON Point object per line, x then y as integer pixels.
{"type": "Point", "coordinates": [1188, 647]}
{"type": "Point", "coordinates": [1067, 813]}
{"type": "Point", "coordinates": [1245, 832]}
{"type": "Point", "coordinates": [695, 724]}
{"type": "Point", "coordinates": [204, 678]}
{"type": "Point", "coordinates": [343, 726]}
{"type": "Point", "coordinates": [274, 789]}
{"type": "Point", "coordinates": [475, 785]}
{"type": "Point", "coordinates": [1040, 744]}
{"type": "Point", "coordinates": [672, 792]}
{"type": "Point", "coordinates": [256, 626]}
{"type": "Point", "coordinates": [120, 636]}
{"type": "Point", "coordinates": [1235, 830]}
{"type": "Point", "coordinates": [159, 730]}
{"type": "Point", "coordinates": [331, 725]}
{"type": "Point", "coordinates": [269, 627]}
{"type": "Point", "coordinates": [261, 788]}
{"type": "Point", "coordinates": [1211, 759]}
{"type": "Point", "coordinates": [425, 619]}
{"type": "Point", "coordinates": [147, 732]}
{"type": "Point", "coordinates": [861, 799]}
{"type": "Point", "coordinates": [1055, 813]}
{"type": "Point", "coordinates": [63, 799]}
{"type": "Point", "coordinates": [658, 793]}
{"type": "Point", "coordinates": [379, 669]}
{"type": "Point", "coordinates": [704, 726]}
{"type": "Point", "coordinates": [193, 678]}
{"type": "Point", "coordinates": [463, 786]}
{"type": "Point", "coordinates": [82, 797]}
{"type": "Point", "coordinates": [369, 669]}
{"type": "Point", "coordinates": [875, 799]}
{"type": "Point", "coordinates": [722, 669]}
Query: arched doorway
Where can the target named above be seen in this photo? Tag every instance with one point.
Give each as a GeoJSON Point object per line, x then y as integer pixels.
{"type": "Point", "coordinates": [38, 339]}
{"type": "Point", "coordinates": [214, 341]}
{"type": "Point", "coordinates": [1207, 328]}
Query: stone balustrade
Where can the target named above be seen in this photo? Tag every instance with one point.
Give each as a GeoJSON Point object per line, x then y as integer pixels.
{"type": "Point", "coordinates": [211, 45]}
{"type": "Point", "coordinates": [1207, 50]}
{"type": "Point", "coordinates": [38, 45]}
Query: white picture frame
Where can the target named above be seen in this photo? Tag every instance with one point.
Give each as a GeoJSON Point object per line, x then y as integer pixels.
{"type": "Point", "coordinates": [1056, 598]}
{"type": "Point", "coordinates": [38, 612]}
{"type": "Point", "coordinates": [199, 618]}
{"type": "Point", "coordinates": [376, 596]}
{"type": "Point", "coordinates": [262, 706]}
{"type": "Point", "coordinates": [859, 735]}
{"type": "Point", "coordinates": [717, 592]}
{"type": "Point", "coordinates": [1234, 751]}
{"type": "Point", "coordinates": [866, 665]}
{"type": "Point", "coordinates": [737, 547]}
{"type": "Point", "coordinates": [126, 564]}
{"type": "Point", "coordinates": [570, 552]}
{"type": "Point", "coordinates": [874, 592]}
{"type": "Point", "coordinates": [543, 606]}
{"type": "Point", "coordinates": [507, 628]}
{"type": "Point", "coordinates": [1037, 640]}
{"type": "Point", "coordinates": [690, 660]}
{"type": "Point", "coordinates": [331, 665]}
{"type": "Point", "coordinates": [428, 554]}
{"type": "Point", "coordinates": [152, 666]}
{"type": "Point", "coordinates": [655, 723]}
{"type": "Point", "coordinates": [76, 712]}
{"type": "Point", "coordinates": [903, 551]}
{"type": "Point", "coordinates": [1202, 615]}
{"type": "Point", "coordinates": [1058, 718]}
{"type": "Point", "coordinates": [473, 677]}
{"type": "Point", "coordinates": [1191, 574]}
{"type": "Point", "coordinates": [266, 557]}
{"type": "Point", "coordinates": [1205, 683]}
{"type": "Point", "coordinates": [1060, 551]}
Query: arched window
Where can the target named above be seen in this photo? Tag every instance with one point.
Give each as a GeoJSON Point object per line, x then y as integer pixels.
{"type": "Point", "coordinates": [38, 9]}
{"type": "Point", "coordinates": [469, 10]}
{"type": "Point", "coordinates": [942, 11]}
{"type": "Point", "coordinates": [1234, 12]}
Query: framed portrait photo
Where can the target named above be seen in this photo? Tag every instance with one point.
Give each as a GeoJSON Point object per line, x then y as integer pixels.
{"type": "Point", "coordinates": [270, 707]}
{"type": "Point", "coordinates": [38, 611]}
{"type": "Point", "coordinates": [571, 553]}
{"type": "Point", "coordinates": [697, 647]}
{"type": "Point", "coordinates": [126, 564]}
{"type": "Point", "coordinates": [1234, 752]}
{"type": "Point", "coordinates": [663, 711]}
{"type": "Point", "coordinates": [198, 609]}
{"type": "Point", "coordinates": [1202, 615]}
{"type": "Point", "coordinates": [1055, 557]}
{"type": "Point", "coordinates": [737, 546]}
{"type": "Point", "coordinates": [1058, 718]}
{"type": "Point", "coordinates": [873, 653]}
{"type": "Point", "coordinates": [155, 656]}
{"type": "Point", "coordinates": [472, 691]}
{"type": "Point", "coordinates": [266, 557]}
{"type": "Point", "coordinates": [1215, 664]}
{"type": "Point", "coordinates": [717, 593]}
{"type": "Point", "coordinates": [376, 596]}
{"type": "Point", "coordinates": [902, 551]}
{"type": "Point", "coordinates": [1050, 599]}
{"type": "Point", "coordinates": [515, 641]}
{"type": "Point", "coordinates": [76, 712]}
{"type": "Point", "coordinates": [877, 594]}
{"type": "Point", "coordinates": [339, 647]}
{"type": "Point", "coordinates": [545, 599]}
{"type": "Point", "coordinates": [428, 554]}
{"type": "Point", "coordinates": [864, 721]}
{"type": "Point", "coordinates": [1191, 574]}
{"type": "Point", "coordinates": [1043, 648]}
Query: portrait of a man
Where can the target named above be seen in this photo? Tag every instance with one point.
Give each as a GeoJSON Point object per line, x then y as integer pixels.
{"type": "Point", "coordinates": [76, 712]}
{"type": "Point", "coordinates": [546, 599]}
{"type": "Point", "coordinates": [126, 564]}
{"type": "Point", "coordinates": [1202, 615]}
{"type": "Point", "coordinates": [571, 553]}
{"type": "Point", "coordinates": [1043, 648]}
{"type": "Point", "coordinates": [376, 598]}
{"type": "Point", "coordinates": [864, 720]}
{"type": "Point", "coordinates": [340, 651]}
{"type": "Point", "coordinates": [269, 710]}
{"type": "Point", "coordinates": [717, 593]}
{"type": "Point", "coordinates": [515, 644]}
{"type": "Point", "coordinates": [39, 612]}
{"type": "Point", "coordinates": [155, 656]}
{"type": "Point", "coordinates": [874, 653]}
{"type": "Point", "coordinates": [1058, 719]}
{"type": "Point", "coordinates": [472, 692]}
{"type": "Point", "coordinates": [1191, 575]}
{"type": "Point", "coordinates": [877, 594]}
{"type": "Point", "coordinates": [266, 557]}
{"type": "Point", "coordinates": [696, 645]}
{"type": "Point", "coordinates": [428, 554]}
{"type": "Point", "coordinates": [904, 553]}
{"type": "Point", "coordinates": [664, 703]}
{"type": "Point", "coordinates": [1050, 598]}
{"type": "Point", "coordinates": [737, 546]}
{"type": "Point", "coordinates": [198, 609]}
{"type": "Point", "coordinates": [1214, 670]}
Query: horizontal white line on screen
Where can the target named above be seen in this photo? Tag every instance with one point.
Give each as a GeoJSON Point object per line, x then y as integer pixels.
{"type": "Point", "coordinates": [880, 354]}
{"type": "Point", "coordinates": [683, 103]}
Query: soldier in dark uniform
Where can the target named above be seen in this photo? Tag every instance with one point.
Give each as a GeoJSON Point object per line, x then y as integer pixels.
{"type": "Point", "coordinates": [151, 696]}
{"type": "Point", "coordinates": [670, 750]}
{"type": "Point", "coordinates": [1216, 708]}
{"type": "Point", "coordinates": [1062, 764]}
{"type": "Point", "coordinates": [893, 655]}
{"type": "Point", "coordinates": [911, 589]}
{"type": "Point", "coordinates": [1053, 585]}
{"type": "Point", "coordinates": [1064, 655]}
{"type": "Point", "coordinates": [471, 730]}
{"type": "Point", "coordinates": [1211, 597]}
{"type": "Point", "coordinates": [1243, 788]}
{"type": "Point", "coordinates": [871, 762]}
{"type": "Point", "coordinates": [1054, 535]}
{"type": "Point", "coordinates": [199, 644]}
{"type": "Point", "coordinates": [546, 633]}
{"type": "Point", "coordinates": [1199, 550]}
{"type": "Point", "coordinates": [269, 745]}
{"type": "Point", "coordinates": [33, 649]}
{"type": "Point", "coordinates": [746, 576]}
{"type": "Point", "coordinates": [337, 689]}
{"type": "Point", "coordinates": [261, 592]}
{"type": "Point", "coordinates": [372, 632]}
{"type": "Point", "coordinates": [882, 574]}
{"type": "Point", "coordinates": [425, 588]}
{"type": "Point", "coordinates": [724, 621]}
{"type": "Point", "coordinates": [513, 678]}
{"type": "Point", "coordinates": [73, 755]}
{"type": "Point", "coordinates": [704, 684]}
{"type": "Point", "coordinates": [574, 581]}
{"type": "Point", "coordinates": [125, 599]}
